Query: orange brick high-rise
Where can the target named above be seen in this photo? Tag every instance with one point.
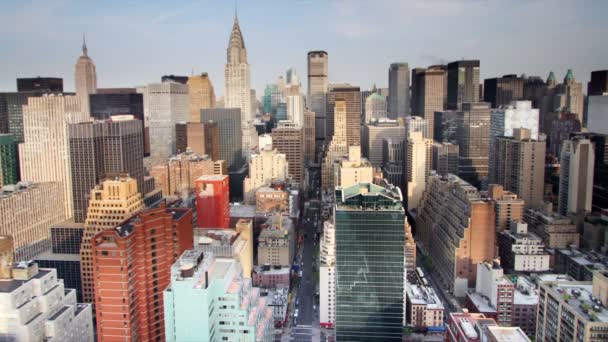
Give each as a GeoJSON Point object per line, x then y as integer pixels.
{"type": "Point", "coordinates": [132, 266]}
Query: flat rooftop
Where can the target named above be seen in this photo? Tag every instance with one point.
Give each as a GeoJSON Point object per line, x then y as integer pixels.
{"type": "Point", "coordinates": [507, 334]}
{"type": "Point", "coordinates": [579, 296]}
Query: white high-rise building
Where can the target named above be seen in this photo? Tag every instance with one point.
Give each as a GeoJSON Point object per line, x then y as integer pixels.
{"type": "Point", "coordinates": [317, 90]}
{"type": "Point", "coordinates": [416, 124]}
{"type": "Point", "coordinates": [237, 86]}
{"type": "Point", "coordinates": [44, 156]}
{"type": "Point", "coordinates": [295, 109]}
{"type": "Point", "coordinates": [327, 276]}
{"type": "Point", "coordinates": [165, 104]}
{"type": "Point", "coordinates": [264, 167]}
{"type": "Point", "coordinates": [417, 166]}
{"type": "Point", "coordinates": [85, 78]}
{"type": "Point", "coordinates": [576, 176]}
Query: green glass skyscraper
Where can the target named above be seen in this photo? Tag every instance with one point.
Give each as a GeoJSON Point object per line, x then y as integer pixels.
{"type": "Point", "coordinates": [9, 162]}
{"type": "Point", "coordinates": [369, 221]}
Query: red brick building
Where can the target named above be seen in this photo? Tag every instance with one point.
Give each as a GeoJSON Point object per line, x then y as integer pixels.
{"type": "Point", "coordinates": [132, 265]}
{"type": "Point", "coordinates": [213, 201]}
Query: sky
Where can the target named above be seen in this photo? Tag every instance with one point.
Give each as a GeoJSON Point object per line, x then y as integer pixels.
{"type": "Point", "coordinates": [135, 42]}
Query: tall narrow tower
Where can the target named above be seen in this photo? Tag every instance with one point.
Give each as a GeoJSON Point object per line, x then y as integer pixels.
{"type": "Point", "coordinates": [85, 78]}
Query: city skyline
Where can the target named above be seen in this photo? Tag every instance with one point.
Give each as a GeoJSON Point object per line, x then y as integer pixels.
{"type": "Point", "coordinates": [349, 28]}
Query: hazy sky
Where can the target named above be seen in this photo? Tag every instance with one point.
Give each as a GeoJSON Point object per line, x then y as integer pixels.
{"type": "Point", "coordinates": [135, 42]}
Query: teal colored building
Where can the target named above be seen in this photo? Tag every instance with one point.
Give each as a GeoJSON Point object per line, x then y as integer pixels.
{"type": "Point", "coordinates": [9, 160]}
{"type": "Point", "coordinates": [369, 228]}
{"type": "Point", "coordinates": [209, 300]}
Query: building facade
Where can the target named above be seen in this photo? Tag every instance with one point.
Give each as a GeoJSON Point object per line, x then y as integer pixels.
{"type": "Point", "coordinates": [418, 151]}
{"type": "Point", "coordinates": [317, 89]}
{"type": "Point", "coordinates": [288, 139]}
{"type": "Point", "coordinates": [202, 138]}
{"type": "Point", "coordinates": [473, 134]}
{"type": "Point", "coordinates": [9, 160]}
{"type": "Point", "coordinates": [85, 78]}
{"type": "Point", "coordinates": [445, 158]}
{"type": "Point", "coordinates": [429, 93]}
{"type": "Point", "coordinates": [374, 132]}
{"type": "Point", "coordinates": [267, 166]}
{"type": "Point", "coordinates": [201, 94]}
{"type": "Point", "coordinates": [463, 83]}
{"type": "Point", "coordinates": [230, 134]}
{"type": "Point", "coordinates": [398, 90]}
{"type": "Point", "coordinates": [351, 96]}
{"type": "Point", "coordinates": [212, 201]}
{"type": "Point", "coordinates": [576, 176]}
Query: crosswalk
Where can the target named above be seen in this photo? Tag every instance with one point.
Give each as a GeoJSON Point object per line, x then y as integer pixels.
{"type": "Point", "coordinates": [301, 333]}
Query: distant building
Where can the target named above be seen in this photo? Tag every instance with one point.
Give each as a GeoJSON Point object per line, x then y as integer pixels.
{"type": "Point", "coordinates": [375, 107]}
{"type": "Point", "coordinates": [295, 109]}
{"type": "Point", "coordinates": [44, 84]}
{"type": "Point", "coordinates": [418, 154]}
{"type": "Point", "coordinates": [576, 176]}
{"type": "Point", "coordinates": [600, 168]}
{"type": "Point", "coordinates": [9, 161]}
{"type": "Point", "coordinates": [598, 84]}
{"type": "Point", "coordinates": [309, 141]}
{"type": "Point", "coordinates": [445, 126]}
{"type": "Point", "coordinates": [507, 207]}
{"type": "Point", "coordinates": [393, 161]}
{"type": "Point", "coordinates": [557, 231]}
{"type": "Point", "coordinates": [85, 79]}
{"type": "Point", "coordinates": [317, 90]}
{"type": "Point", "coordinates": [174, 78]}
{"type": "Point", "coordinates": [500, 91]}
{"type": "Point", "coordinates": [287, 138]}
{"type": "Point", "coordinates": [463, 83]}
{"type": "Point", "coordinates": [267, 166]}
{"type": "Point", "coordinates": [398, 90]}
{"type": "Point", "coordinates": [201, 94]}
{"type": "Point", "coordinates": [352, 170]}
{"type": "Point", "coordinates": [206, 294]}
{"type": "Point", "coordinates": [473, 136]}
{"type": "Point", "coordinates": [202, 138]}
{"type": "Point", "coordinates": [212, 201]}
{"type": "Point", "coordinates": [145, 245]}
{"type": "Point", "coordinates": [569, 96]}
{"type": "Point", "coordinates": [351, 97]}
{"type": "Point", "coordinates": [429, 93]}
{"type": "Point", "coordinates": [445, 158]}
{"type": "Point", "coordinates": [372, 135]}
{"type": "Point", "coordinates": [337, 148]}
{"type": "Point", "coordinates": [579, 302]}
{"type": "Point", "coordinates": [276, 242]}
{"type": "Point", "coordinates": [597, 109]}
{"type": "Point", "coordinates": [561, 129]}
{"type": "Point", "coordinates": [230, 134]}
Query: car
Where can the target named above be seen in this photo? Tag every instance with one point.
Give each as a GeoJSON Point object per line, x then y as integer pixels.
{"type": "Point", "coordinates": [297, 304]}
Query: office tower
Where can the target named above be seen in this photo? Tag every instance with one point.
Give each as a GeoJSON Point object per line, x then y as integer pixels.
{"type": "Point", "coordinates": [374, 133]}
{"type": "Point", "coordinates": [264, 167]}
{"type": "Point", "coordinates": [230, 133]}
{"type": "Point", "coordinates": [111, 202]}
{"type": "Point", "coordinates": [100, 150]}
{"type": "Point", "coordinates": [507, 207]}
{"type": "Point", "coordinates": [535, 89]}
{"type": "Point", "coordinates": [337, 146]}
{"type": "Point", "coordinates": [42, 84]}
{"type": "Point", "coordinates": [178, 174]}
{"type": "Point", "coordinates": [165, 104]}
{"type": "Point", "coordinates": [521, 251]}
{"type": "Point", "coordinates": [352, 99]}
{"type": "Point", "coordinates": [429, 93]}
{"type": "Point", "coordinates": [393, 162]}
{"type": "Point", "coordinates": [85, 79]}
{"type": "Point", "coordinates": [598, 84]}
{"type": "Point", "coordinates": [500, 91]}
{"type": "Point", "coordinates": [272, 98]}
{"type": "Point", "coordinates": [445, 158]}
{"type": "Point", "coordinates": [398, 90]}
{"type": "Point", "coordinates": [37, 307]}
{"type": "Point", "coordinates": [287, 138]}
{"type": "Point", "coordinates": [28, 210]}
{"type": "Point", "coordinates": [375, 107]}
{"type": "Point", "coordinates": [517, 114]}
{"type": "Point", "coordinates": [416, 124]}
{"type": "Point", "coordinates": [44, 155]}
{"type": "Point", "coordinates": [11, 108]}
{"type": "Point", "coordinates": [174, 78]}
{"type": "Point", "coordinates": [317, 89]}
{"type": "Point", "coordinates": [226, 299]}
{"type": "Point", "coordinates": [202, 138]}
{"type": "Point", "coordinates": [518, 165]}
{"type": "Point", "coordinates": [445, 126]}
{"type": "Point", "coordinates": [109, 102]}
{"type": "Point", "coordinates": [463, 83]}
{"type": "Point", "coordinates": [369, 221]}
{"type": "Point", "coordinates": [440, 214]}
{"type": "Point", "coordinates": [569, 96]}
{"type": "Point", "coordinates": [130, 300]}
{"type": "Point", "coordinates": [473, 136]}
{"type": "Point", "coordinates": [581, 307]}
{"type": "Point", "coordinates": [353, 169]}
{"type": "Point", "coordinates": [9, 162]}
{"type": "Point", "coordinates": [418, 152]}
{"type": "Point", "coordinates": [237, 89]}
{"type": "Point", "coordinates": [281, 112]}
{"type": "Point", "coordinates": [600, 168]}
{"type": "Point", "coordinates": [276, 241]}
{"type": "Point", "coordinates": [327, 276]}
{"type": "Point", "coordinates": [561, 129]}
{"type": "Point", "coordinates": [201, 94]}
{"type": "Point", "coordinates": [295, 109]}
{"type": "Point", "coordinates": [576, 176]}
{"type": "Point", "coordinates": [309, 137]}
{"type": "Point", "coordinates": [212, 201]}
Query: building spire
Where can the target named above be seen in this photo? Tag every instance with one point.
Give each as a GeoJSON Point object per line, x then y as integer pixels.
{"type": "Point", "coordinates": [84, 46]}
{"type": "Point", "coordinates": [236, 17]}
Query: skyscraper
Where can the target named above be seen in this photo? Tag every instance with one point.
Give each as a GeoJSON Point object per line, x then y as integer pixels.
{"type": "Point", "coordinates": [264, 167]}
{"type": "Point", "coordinates": [9, 162]}
{"type": "Point", "coordinates": [202, 95]}
{"type": "Point", "coordinates": [598, 84]}
{"type": "Point", "coordinates": [369, 238]}
{"type": "Point", "coordinates": [111, 202]}
{"type": "Point", "coordinates": [295, 109]}
{"type": "Point", "coordinates": [44, 155]}
{"type": "Point", "coordinates": [213, 201]}
{"type": "Point", "coordinates": [317, 88]}
{"type": "Point", "coordinates": [130, 300]}
{"type": "Point", "coordinates": [503, 90]}
{"type": "Point", "coordinates": [418, 153]}
{"type": "Point", "coordinates": [337, 146]}
{"type": "Point", "coordinates": [518, 165]}
{"type": "Point", "coordinates": [309, 141]}
{"type": "Point", "coordinates": [463, 83]}
{"type": "Point", "coordinates": [352, 100]}
{"type": "Point", "coordinates": [576, 176]}
{"type": "Point", "coordinates": [287, 138]}
{"type": "Point", "coordinates": [165, 104]}
{"type": "Point", "coordinates": [103, 149]}
{"type": "Point", "coordinates": [429, 93]}
{"type": "Point", "coordinates": [445, 158]}
{"type": "Point", "coordinates": [569, 96]}
{"type": "Point", "coordinates": [230, 134]}
{"type": "Point", "coordinates": [85, 79]}
{"type": "Point", "coordinates": [372, 135]}
{"type": "Point", "coordinates": [393, 161]}
{"type": "Point", "coordinates": [600, 169]}
{"type": "Point", "coordinates": [398, 90]}
{"type": "Point", "coordinates": [473, 136]}
{"type": "Point", "coordinates": [42, 84]}
{"type": "Point", "coordinates": [202, 138]}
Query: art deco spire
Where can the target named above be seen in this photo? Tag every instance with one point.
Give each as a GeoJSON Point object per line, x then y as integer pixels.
{"type": "Point", "coordinates": [236, 46]}
{"type": "Point", "coordinates": [84, 46]}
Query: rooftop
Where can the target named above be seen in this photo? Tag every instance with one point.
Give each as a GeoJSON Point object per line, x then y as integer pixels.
{"type": "Point", "coordinates": [242, 210]}
{"type": "Point", "coordinates": [481, 302]}
{"type": "Point", "coordinates": [507, 334]}
{"type": "Point", "coordinates": [10, 285]}
{"type": "Point", "coordinates": [424, 295]}
{"type": "Point", "coordinates": [579, 298]}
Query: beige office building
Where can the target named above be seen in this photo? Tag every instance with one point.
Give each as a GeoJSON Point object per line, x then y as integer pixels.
{"type": "Point", "coordinates": [351, 96]}
{"type": "Point", "coordinates": [28, 211]}
{"type": "Point", "coordinates": [518, 165]}
{"type": "Point", "coordinates": [203, 138]}
{"type": "Point", "coordinates": [44, 156]}
{"type": "Point", "coordinates": [309, 141]}
{"type": "Point", "coordinates": [268, 200]}
{"type": "Point", "coordinates": [337, 148]}
{"type": "Point", "coordinates": [265, 167]}
{"type": "Point", "coordinates": [179, 173]}
{"type": "Point", "coordinates": [576, 176]}
{"type": "Point", "coordinates": [353, 170]}
{"type": "Point", "coordinates": [507, 207]}
{"type": "Point", "coordinates": [276, 242]}
{"type": "Point", "coordinates": [287, 138]}
{"type": "Point", "coordinates": [374, 133]}
{"type": "Point", "coordinates": [418, 153]}
{"type": "Point", "coordinates": [429, 93]}
{"type": "Point", "coordinates": [111, 203]}
{"type": "Point", "coordinates": [202, 95]}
